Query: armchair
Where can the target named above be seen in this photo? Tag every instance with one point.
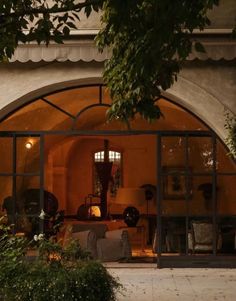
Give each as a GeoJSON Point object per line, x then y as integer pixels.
{"type": "Point", "coordinates": [102, 244]}
{"type": "Point", "coordinates": [200, 237]}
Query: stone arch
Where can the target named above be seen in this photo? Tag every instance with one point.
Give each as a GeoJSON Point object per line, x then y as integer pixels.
{"type": "Point", "coordinates": [184, 92]}
{"type": "Point", "coordinates": [199, 102]}
{"type": "Point", "coordinates": [15, 104]}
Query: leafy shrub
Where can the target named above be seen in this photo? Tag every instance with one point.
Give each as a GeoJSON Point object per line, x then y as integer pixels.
{"type": "Point", "coordinates": [230, 126]}
{"type": "Point", "coordinates": [55, 274]}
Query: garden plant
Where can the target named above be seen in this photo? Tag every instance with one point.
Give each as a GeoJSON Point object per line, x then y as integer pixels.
{"type": "Point", "coordinates": [54, 273]}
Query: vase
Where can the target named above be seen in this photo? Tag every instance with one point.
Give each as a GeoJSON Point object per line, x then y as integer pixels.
{"type": "Point", "coordinates": [131, 216]}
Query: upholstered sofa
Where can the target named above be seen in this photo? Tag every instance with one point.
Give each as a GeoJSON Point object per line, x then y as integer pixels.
{"type": "Point", "coordinates": [99, 242]}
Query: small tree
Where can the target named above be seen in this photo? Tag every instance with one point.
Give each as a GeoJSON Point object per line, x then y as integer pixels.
{"type": "Point", "coordinates": [150, 39]}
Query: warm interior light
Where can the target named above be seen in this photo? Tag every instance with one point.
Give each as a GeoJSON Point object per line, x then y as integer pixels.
{"type": "Point", "coordinates": [28, 145]}
{"type": "Point", "coordinates": [94, 211]}
{"type": "Point", "coordinates": [131, 196]}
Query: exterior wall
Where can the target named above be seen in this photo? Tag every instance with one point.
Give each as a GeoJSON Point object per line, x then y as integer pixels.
{"type": "Point", "coordinates": [223, 16]}
{"type": "Point", "coordinates": [207, 89]}
{"type": "Point", "coordinates": [21, 83]}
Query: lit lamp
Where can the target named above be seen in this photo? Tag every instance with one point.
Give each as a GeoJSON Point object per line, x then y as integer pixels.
{"type": "Point", "coordinates": [94, 212]}
{"type": "Point", "coordinates": [28, 145]}
{"type": "Point", "coordinates": [132, 197]}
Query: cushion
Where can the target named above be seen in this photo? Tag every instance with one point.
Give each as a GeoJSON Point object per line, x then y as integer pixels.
{"type": "Point", "coordinates": [98, 228]}
{"type": "Point", "coordinates": [109, 249]}
{"type": "Point", "coordinates": [203, 233]}
{"type": "Point", "coordinates": [87, 240]}
{"type": "Point", "coordinates": [115, 234]}
{"type": "Point", "coordinates": [190, 241]}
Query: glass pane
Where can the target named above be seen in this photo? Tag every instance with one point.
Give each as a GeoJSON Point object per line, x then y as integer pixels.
{"type": "Point", "coordinates": [36, 116]}
{"type": "Point", "coordinates": [23, 184]}
{"type": "Point", "coordinates": [173, 151]}
{"type": "Point", "coordinates": [200, 151]}
{"type": "Point", "coordinates": [175, 191]}
{"type": "Point", "coordinates": [95, 119]}
{"type": "Point", "coordinates": [226, 225]}
{"type": "Point", "coordinates": [75, 100]}
{"type": "Point", "coordinates": [106, 95]}
{"type": "Point", "coordinates": [177, 118]}
{"type": "Point", "coordinates": [6, 154]}
{"type": "Point", "coordinates": [226, 193]}
{"type": "Point", "coordinates": [39, 115]}
{"type": "Point", "coordinates": [28, 154]}
{"type": "Point", "coordinates": [226, 214]}
{"type": "Point", "coordinates": [176, 207]}
{"type": "Point", "coordinates": [28, 204]}
{"type": "Point", "coordinates": [201, 235]}
{"type": "Point", "coordinates": [7, 202]}
{"type": "Point", "coordinates": [173, 235]}
{"type": "Point", "coordinates": [225, 162]}
{"type": "Point", "coordinates": [115, 179]}
{"type": "Point", "coordinates": [92, 118]}
{"type": "Point", "coordinates": [99, 156]}
{"type": "Point", "coordinates": [201, 203]}
{"type": "Point", "coordinates": [200, 228]}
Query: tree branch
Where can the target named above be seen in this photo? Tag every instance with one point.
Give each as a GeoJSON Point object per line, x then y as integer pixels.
{"type": "Point", "coordinates": [43, 10]}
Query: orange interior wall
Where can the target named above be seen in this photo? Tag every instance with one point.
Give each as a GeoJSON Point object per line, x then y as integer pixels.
{"type": "Point", "coordinates": [138, 167]}
{"type": "Point", "coordinates": [80, 166]}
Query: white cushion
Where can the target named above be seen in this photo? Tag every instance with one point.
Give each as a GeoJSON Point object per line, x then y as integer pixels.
{"type": "Point", "coordinates": [114, 234]}
{"type": "Point", "coordinates": [87, 240]}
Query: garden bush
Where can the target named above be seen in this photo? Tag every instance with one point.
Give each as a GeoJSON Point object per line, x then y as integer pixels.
{"type": "Point", "coordinates": [55, 274]}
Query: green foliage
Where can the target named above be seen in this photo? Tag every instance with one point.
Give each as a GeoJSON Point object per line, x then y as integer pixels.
{"type": "Point", "coordinates": [230, 126]}
{"type": "Point", "coordinates": [56, 274]}
{"type": "Point", "coordinates": [38, 20]}
{"type": "Point", "coordinates": [150, 39]}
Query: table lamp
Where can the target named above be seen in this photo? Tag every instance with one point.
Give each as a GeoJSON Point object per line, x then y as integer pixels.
{"type": "Point", "coordinates": [131, 197]}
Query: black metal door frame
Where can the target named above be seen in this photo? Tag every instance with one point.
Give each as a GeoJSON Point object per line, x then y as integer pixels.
{"type": "Point", "coordinates": [14, 173]}
{"type": "Point", "coordinates": [159, 135]}
{"type": "Point", "coordinates": [187, 260]}
{"type": "Point", "coordinates": [161, 174]}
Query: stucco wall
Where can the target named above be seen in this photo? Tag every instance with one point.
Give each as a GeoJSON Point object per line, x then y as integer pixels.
{"type": "Point", "coordinates": [222, 16]}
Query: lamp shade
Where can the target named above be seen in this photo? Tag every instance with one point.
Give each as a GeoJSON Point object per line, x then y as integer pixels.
{"type": "Point", "coordinates": [130, 196]}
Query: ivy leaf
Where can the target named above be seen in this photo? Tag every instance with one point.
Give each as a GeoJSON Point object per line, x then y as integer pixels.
{"type": "Point", "coordinates": [88, 11]}
{"type": "Point", "coordinates": [71, 25]}
{"type": "Point", "coordinates": [66, 31]}
{"type": "Point", "coordinates": [199, 47]}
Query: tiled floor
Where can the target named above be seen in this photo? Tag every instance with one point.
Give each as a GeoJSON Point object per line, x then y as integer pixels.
{"type": "Point", "coordinates": [141, 284]}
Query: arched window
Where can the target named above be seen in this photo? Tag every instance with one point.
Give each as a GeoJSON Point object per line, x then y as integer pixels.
{"type": "Point", "coordinates": [116, 177]}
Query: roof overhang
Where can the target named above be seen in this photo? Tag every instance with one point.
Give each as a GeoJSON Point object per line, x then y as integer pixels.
{"type": "Point", "coordinates": [81, 47]}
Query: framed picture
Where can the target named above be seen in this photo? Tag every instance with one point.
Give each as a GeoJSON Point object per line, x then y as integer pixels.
{"type": "Point", "coordinates": [175, 183]}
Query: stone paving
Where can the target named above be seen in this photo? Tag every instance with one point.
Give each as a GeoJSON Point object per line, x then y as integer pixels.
{"type": "Point", "coordinates": [141, 284]}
